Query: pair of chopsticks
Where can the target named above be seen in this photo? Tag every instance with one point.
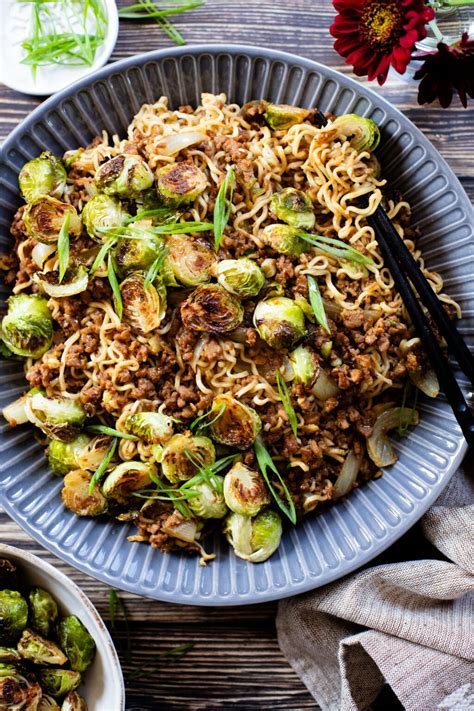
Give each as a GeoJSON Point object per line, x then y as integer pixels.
{"type": "Point", "coordinates": [408, 277]}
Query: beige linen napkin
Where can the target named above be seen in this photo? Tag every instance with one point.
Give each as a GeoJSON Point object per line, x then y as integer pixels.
{"type": "Point", "coordinates": [408, 624]}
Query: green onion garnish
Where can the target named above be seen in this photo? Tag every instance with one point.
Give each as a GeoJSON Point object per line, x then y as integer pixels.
{"type": "Point", "coordinates": [101, 255]}
{"type": "Point", "coordinates": [286, 402]}
{"type": "Point", "coordinates": [112, 277]}
{"type": "Point", "coordinates": [335, 248]}
{"type": "Point", "coordinates": [316, 302]}
{"type": "Point", "coordinates": [265, 462]}
{"type": "Point", "coordinates": [223, 207]}
{"type": "Point", "coordinates": [199, 421]}
{"type": "Point", "coordinates": [166, 229]}
{"type": "Point", "coordinates": [105, 430]}
{"type": "Point", "coordinates": [63, 246]}
{"type": "Point", "coordinates": [103, 466]}
{"type": "Point", "coordinates": [155, 268]}
{"type": "Point", "coordinates": [147, 9]}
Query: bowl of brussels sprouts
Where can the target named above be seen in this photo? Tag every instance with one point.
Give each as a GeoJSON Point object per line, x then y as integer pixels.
{"type": "Point", "coordinates": [55, 651]}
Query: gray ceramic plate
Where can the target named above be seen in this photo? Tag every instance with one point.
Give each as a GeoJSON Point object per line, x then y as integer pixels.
{"type": "Point", "coordinates": [325, 547]}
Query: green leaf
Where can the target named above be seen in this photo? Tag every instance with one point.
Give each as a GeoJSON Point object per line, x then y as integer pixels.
{"type": "Point", "coordinates": [112, 277]}
{"type": "Point", "coordinates": [265, 462]}
{"type": "Point", "coordinates": [105, 430]}
{"type": "Point", "coordinates": [286, 402]}
{"type": "Point", "coordinates": [316, 302]}
{"type": "Point", "coordinates": [223, 207]}
{"type": "Point", "coordinates": [63, 246]}
{"type": "Point", "coordinates": [336, 248]}
{"type": "Point", "coordinates": [103, 466]}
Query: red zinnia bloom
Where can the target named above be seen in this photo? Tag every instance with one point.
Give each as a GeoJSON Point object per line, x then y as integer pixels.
{"type": "Point", "coordinates": [447, 69]}
{"type": "Point", "coordinates": [374, 34]}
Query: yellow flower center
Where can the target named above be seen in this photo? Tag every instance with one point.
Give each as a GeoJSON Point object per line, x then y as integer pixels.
{"type": "Point", "coordinates": [381, 23]}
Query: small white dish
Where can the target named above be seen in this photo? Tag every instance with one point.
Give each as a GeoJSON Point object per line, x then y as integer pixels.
{"type": "Point", "coordinates": [103, 687]}
{"type": "Point", "coordinates": [14, 29]}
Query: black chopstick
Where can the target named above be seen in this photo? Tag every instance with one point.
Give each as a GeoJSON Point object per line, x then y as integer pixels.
{"type": "Point", "coordinates": [404, 269]}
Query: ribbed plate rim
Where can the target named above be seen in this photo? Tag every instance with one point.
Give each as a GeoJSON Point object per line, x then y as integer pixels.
{"type": "Point", "coordinates": [394, 532]}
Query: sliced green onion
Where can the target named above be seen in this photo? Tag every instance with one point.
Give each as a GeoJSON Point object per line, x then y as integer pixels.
{"type": "Point", "coordinates": [161, 212]}
{"type": "Point", "coordinates": [223, 207]}
{"type": "Point", "coordinates": [105, 430]}
{"type": "Point", "coordinates": [101, 255]}
{"type": "Point", "coordinates": [199, 421]}
{"type": "Point", "coordinates": [170, 228]}
{"type": "Point", "coordinates": [103, 466]}
{"type": "Point", "coordinates": [316, 302]}
{"type": "Point", "coordinates": [286, 402]}
{"type": "Point", "coordinates": [155, 268]}
{"type": "Point", "coordinates": [336, 248]}
{"type": "Point", "coordinates": [112, 277]}
{"type": "Point", "coordinates": [63, 246]}
{"type": "Point", "coordinates": [265, 462]}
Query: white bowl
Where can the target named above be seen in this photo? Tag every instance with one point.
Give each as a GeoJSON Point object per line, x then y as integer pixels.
{"type": "Point", "coordinates": [103, 686]}
{"type": "Point", "coordinates": [14, 29]}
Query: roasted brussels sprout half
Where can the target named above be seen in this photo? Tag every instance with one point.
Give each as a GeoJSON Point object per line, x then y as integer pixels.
{"type": "Point", "coordinates": [9, 654]}
{"type": "Point", "coordinates": [63, 456]}
{"type": "Point", "coordinates": [27, 329]}
{"type": "Point", "coordinates": [44, 218]}
{"type": "Point", "coordinates": [245, 491]}
{"type": "Point", "coordinates": [241, 277]}
{"type": "Point", "coordinates": [137, 252]}
{"type": "Point", "coordinates": [59, 682]}
{"type": "Point", "coordinates": [47, 703]}
{"type": "Point", "coordinates": [283, 239]}
{"type": "Point", "coordinates": [9, 578]}
{"type": "Point", "coordinates": [191, 261]}
{"type": "Point", "coordinates": [254, 539]}
{"type": "Point", "coordinates": [74, 702]}
{"type": "Point", "coordinates": [184, 454]}
{"type": "Point", "coordinates": [76, 642]}
{"type": "Point", "coordinates": [237, 426]}
{"type": "Point", "coordinates": [39, 650]}
{"type": "Point", "coordinates": [19, 690]}
{"type": "Point", "coordinates": [282, 116]}
{"type": "Point", "coordinates": [363, 132]}
{"type": "Point", "coordinates": [126, 478]}
{"type": "Point", "coordinates": [144, 305]}
{"type": "Point", "coordinates": [180, 183]}
{"type": "Point", "coordinates": [76, 495]}
{"type": "Point", "coordinates": [74, 282]}
{"type": "Point", "coordinates": [44, 175]}
{"type": "Point", "coordinates": [125, 176]}
{"type": "Point", "coordinates": [293, 207]}
{"type": "Point", "coordinates": [13, 615]}
{"type": "Point", "coordinates": [279, 321]}
{"type": "Point", "coordinates": [43, 611]}
{"type": "Point", "coordinates": [102, 212]}
{"type": "Point", "coordinates": [210, 502]}
{"type": "Point", "coordinates": [58, 417]}
{"type": "Point", "coordinates": [152, 427]}
{"type": "Point", "coordinates": [304, 366]}
{"type": "Point", "coordinates": [212, 309]}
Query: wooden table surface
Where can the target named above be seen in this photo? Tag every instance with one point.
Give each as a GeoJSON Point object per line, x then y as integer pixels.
{"type": "Point", "coordinates": [236, 660]}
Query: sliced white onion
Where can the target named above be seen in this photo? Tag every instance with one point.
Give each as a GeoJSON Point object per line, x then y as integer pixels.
{"type": "Point", "coordinates": [378, 444]}
{"type": "Point", "coordinates": [347, 475]}
{"type": "Point", "coordinates": [426, 381]}
{"type": "Point", "coordinates": [169, 145]}
{"type": "Point", "coordinates": [15, 413]}
{"type": "Point", "coordinates": [41, 252]}
{"type": "Point", "coordinates": [324, 387]}
{"type": "Point", "coordinates": [185, 531]}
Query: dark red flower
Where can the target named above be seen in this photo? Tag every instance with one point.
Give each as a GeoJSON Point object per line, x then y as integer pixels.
{"type": "Point", "coordinates": [446, 70]}
{"type": "Point", "coordinates": [374, 34]}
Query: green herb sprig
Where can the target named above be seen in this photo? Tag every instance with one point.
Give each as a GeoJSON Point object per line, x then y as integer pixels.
{"type": "Point", "coordinates": [335, 248]}
{"type": "Point", "coordinates": [265, 463]}
{"type": "Point", "coordinates": [223, 206]}
{"type": "Point", "coordinates": [63, 246]}
{"type": "Point", "coordinates": [159, 12]}
{"type": "Point", "coordinates": [286, 402]}
{"type": "Point", "coordinates": [316, 302]}
{"type": "Point", "coordinates": [97, 476]}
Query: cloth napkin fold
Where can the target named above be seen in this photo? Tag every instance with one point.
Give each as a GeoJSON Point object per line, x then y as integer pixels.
{"type": "Point", "coordinates": [408, 624]}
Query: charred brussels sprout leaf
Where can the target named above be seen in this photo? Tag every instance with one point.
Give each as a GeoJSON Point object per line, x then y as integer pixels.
{"type": "Point", "coordinates": [212, 309]}
{"type": "Point", "coordinates": [125, 176]}
{"type": "Point", "coordinates": [74, 282]}
{"type": "Point", "coordinates": [102, 212]}
{"type": "Point", "coordinates": [44, 175]}
{"type": "Point", "coordinates": [237, 426]}
{"type": "Point", "coordinates": [9, 654]}
{"type": "Point", "coordinates": [241, 277]}
{"type": "Point", "coordinates": [59, 682]}
{"type": "Point", "coordinates": [152, 427]}
{"type": "Point", "coordinates": [282, 116]}
{"type": "Point", "coordinates": [180, 183]}
{"type": "Point", "coordinates": [144, 306]}
{"type": "Point", "coordinates": [279, 321]}
{"type": "Point", "coordinates": [13, 615]}
{"type": "Point", "coordinates": [363, 132]}
{"type": "Point", "coordinates": [76, 642]}
{"type": "Point", "coordinates": [293, 207]}
{"type": "Point", "coordinates": [254, 539]}
{"type": "Point", "coordinates": [47, 703]}
{"type": "Point", "coordinates": [127, 478]}
{"type": "Point", "coordinates": [191, 261]}
{"type": "Point", "coordinates": [184, 454]}
{"type": "Point", "coordinates": [83, 452]}
{"type": "Point", "coordinates": [283, 239]}
{"type": "Point", "coordinates": [27, 329]}
{"type": "Point", "coordinates": [43, 611]}
{"type": "Point", "coordinates": [38, 650]}
{"type": "Point", "coordinates": [209, 503]}
{"type": "Point", "coordinates": [245, 491]}
{"type": "Point", "coordinates": [76, 495]}
{"type": "Point", "coordinates": [138, 251]}
{"type": "Point", "coordinates": [58, 417]}
{"type": "Point", "coordinates": [44, 218]}
{"type": "Point", "coordinates": [74, 702]}
{"type": "Point", "coordinates": [19, 690]}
